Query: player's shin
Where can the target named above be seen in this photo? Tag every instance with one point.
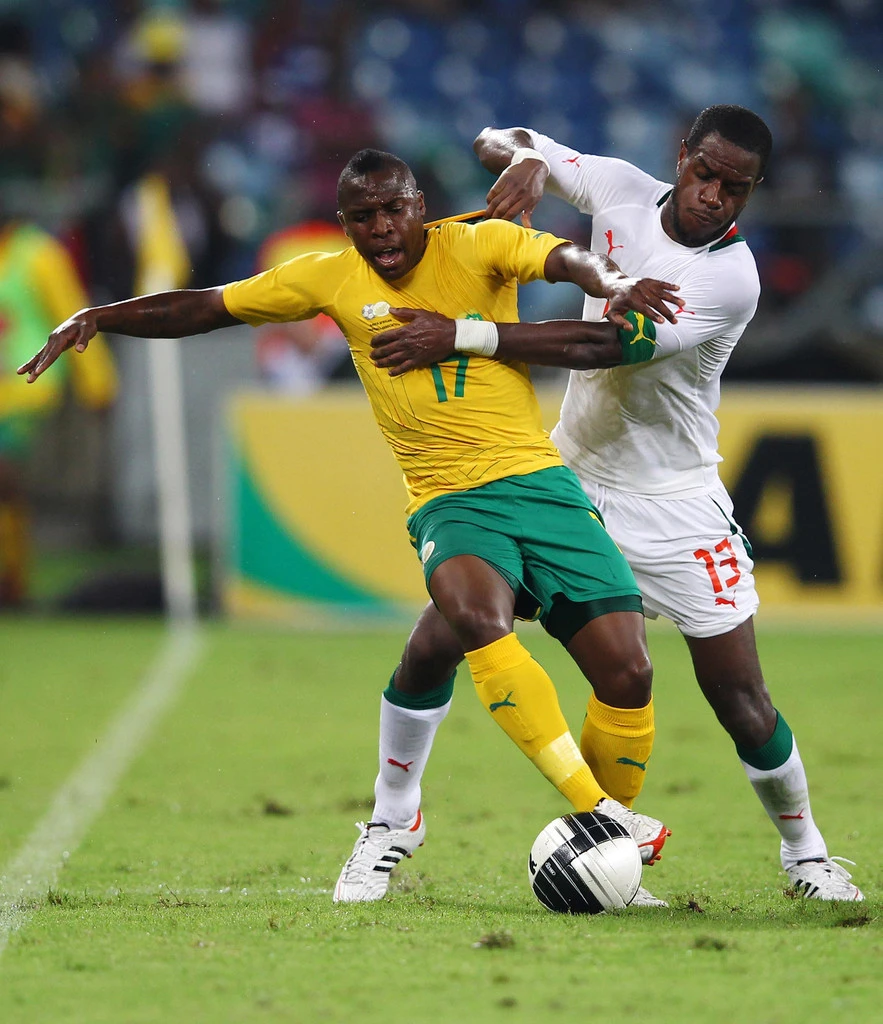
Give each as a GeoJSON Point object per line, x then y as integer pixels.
{"type": "Point", "coordinates": [522, 699]}
{"type": "Point", "coordinates": [407, 729]}
{"type": "Point", "coordinates": [616, 744]}
{"type": "Point", "coordinates": [776, 772]}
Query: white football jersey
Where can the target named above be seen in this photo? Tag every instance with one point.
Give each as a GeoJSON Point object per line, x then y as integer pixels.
{"type": "Point", "coordinates": [650, 428]}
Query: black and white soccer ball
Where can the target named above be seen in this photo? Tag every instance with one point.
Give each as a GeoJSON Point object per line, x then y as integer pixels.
{"type": "Point", "coordinates": [584, 864]}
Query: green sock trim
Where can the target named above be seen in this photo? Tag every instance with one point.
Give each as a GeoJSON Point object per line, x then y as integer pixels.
{"type": "Point", "coordinates": [421, 701]}
{"type": "Point", "coordinates": [774, 753]}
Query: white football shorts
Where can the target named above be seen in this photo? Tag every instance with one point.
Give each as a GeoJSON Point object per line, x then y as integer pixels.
{"type": "Point", "coordinates": [689, 556]}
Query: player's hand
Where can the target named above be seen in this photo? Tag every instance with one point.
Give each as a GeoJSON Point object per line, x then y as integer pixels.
{"type": "Point", "coordinates": [423, 339]}
{"type": "Point", "coordinates": [76, 332]}
{"type": "Point", "coordinates": [517, 191]}
{"type": "Point", "coordinates": [643, 295]}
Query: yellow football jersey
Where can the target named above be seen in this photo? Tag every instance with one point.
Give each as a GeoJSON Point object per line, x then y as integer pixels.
{"type": "Point", "coordinates": [460, 423]}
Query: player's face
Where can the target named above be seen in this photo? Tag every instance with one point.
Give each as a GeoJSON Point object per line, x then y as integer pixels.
{"type": "Point", "coordinates": [383, 215]}
{"type": "Point", "coordinates": [714, 182]}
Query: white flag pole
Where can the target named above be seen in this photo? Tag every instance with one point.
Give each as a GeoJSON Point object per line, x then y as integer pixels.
{"type": "Point", "coordinates": [163, 264]}
{"type": "Point", "coordinates": [172, 478]}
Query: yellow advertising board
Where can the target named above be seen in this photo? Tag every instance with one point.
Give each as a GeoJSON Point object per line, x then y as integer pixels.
{"type": "Point", "coordinates": [806, 477]}
{"type": "Point", "coordinates": [316, 524]}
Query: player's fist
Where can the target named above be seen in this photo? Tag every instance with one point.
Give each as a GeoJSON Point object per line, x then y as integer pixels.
{"type": "Point", "coordinates": [517, 191]}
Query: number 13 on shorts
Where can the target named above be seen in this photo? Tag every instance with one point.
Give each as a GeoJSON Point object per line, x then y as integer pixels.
{"type": "Point", "coordinates": [722, 569]}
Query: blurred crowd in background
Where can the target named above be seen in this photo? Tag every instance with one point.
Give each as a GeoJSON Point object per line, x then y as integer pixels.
{"type": "Point", "coordinates": [249, 108]}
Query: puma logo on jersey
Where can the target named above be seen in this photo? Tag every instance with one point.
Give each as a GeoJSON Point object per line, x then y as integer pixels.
{"type": "Point", "coordinates": [610, 246]}
{"type": "Point", "coordinates": [638, 340]}
{"type": "Point", "coordinates": [504, 703]}
{"type": "Point", "coordinates": [638, 334]}
{"type": "Point", "coordinates": [398, 764]}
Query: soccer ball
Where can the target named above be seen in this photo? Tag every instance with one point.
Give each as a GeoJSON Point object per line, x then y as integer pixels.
{"type": "Point", "coordinates": [584, 864]}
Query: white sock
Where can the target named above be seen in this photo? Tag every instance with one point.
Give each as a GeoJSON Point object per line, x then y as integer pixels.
{"type": "Point", "coordinates": [406, 736]}
{"type": "Point", "coordinates": [784, 793]}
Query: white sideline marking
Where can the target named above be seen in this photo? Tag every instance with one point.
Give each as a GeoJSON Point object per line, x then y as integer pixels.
{"type": "Point", "coordinates": [80, 800]}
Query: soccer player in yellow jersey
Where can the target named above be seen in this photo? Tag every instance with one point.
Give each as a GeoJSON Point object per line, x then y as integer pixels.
{"type": "Point", "coordinates": [502, 528]}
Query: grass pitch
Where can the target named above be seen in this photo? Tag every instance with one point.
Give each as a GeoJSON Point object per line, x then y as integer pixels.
{"type": "Point", "coordinates": [203, 890]}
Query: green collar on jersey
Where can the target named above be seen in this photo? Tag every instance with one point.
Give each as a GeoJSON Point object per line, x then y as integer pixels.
{"type": "Point", "coordinates": [731, 236]}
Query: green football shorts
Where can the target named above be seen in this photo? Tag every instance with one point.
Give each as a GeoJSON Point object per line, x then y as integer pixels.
{"type": "Point", "coordinates": [543, 536]}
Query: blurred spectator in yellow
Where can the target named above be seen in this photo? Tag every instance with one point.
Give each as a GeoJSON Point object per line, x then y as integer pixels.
{"type": "Point", "coordinates": [299, 358]}
{"type": "Point", "coordinates": [39, 285]}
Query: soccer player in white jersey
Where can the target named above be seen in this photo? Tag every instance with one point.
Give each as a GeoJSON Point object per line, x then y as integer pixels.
{"type": "Point", "coordinates": [638, 426]}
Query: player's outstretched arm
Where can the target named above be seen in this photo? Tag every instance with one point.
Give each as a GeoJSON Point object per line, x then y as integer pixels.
{"type": "Point", "coordinates": [426, 338]}
{"type": "Point", "coordinates": [522, 170]}
{"type": "Point", "coordinates": [174, 314]}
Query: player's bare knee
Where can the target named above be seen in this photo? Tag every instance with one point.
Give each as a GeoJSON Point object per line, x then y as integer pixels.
{"type": "Point", "coordinates": [476, 630]}
{"type": "Point", "coordinates": [427, 662]}
{"type": "Point", "coordinates": [641, 678]}
{"type": "Point", "coordinates": [473, 621]}
{"type": "Point", "coordinates": [624, 681]}
{"type": "Point", "coordinates": [629, 687]}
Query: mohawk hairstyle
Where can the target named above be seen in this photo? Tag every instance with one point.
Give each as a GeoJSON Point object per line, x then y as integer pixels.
{"type": "Point", "coordinates": [738, 125]}
{"type": "Point", "coordinates": [369, 161]}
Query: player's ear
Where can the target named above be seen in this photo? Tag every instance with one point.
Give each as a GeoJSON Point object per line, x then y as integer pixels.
{"type": "Point", "coordinates": [342, 223]}
{"type": "Point", "coordinates": [421, 203]}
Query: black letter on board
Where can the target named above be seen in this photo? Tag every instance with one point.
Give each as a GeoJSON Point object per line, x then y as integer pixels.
{"type": "Point", "coordinates": [809, 546]}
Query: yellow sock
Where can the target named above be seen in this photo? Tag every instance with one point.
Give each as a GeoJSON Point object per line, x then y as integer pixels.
{"type": "Point", "coordinates": [522, 700]}
{"type": "Point", "coordinates": [616, 743]}
{"type": "Point", "coordinates": [14, 552]}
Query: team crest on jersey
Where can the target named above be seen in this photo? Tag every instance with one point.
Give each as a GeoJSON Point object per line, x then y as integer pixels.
{"type": "Point", "coordinates": [371, 310]}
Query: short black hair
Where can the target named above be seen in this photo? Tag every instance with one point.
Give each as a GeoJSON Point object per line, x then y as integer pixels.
{"type": "Point", "coordinates": [738, 125]}
{"type": "Point", "coordinates": [369, 161]}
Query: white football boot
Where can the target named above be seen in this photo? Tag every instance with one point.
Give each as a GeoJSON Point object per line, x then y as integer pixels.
{"type": "Point", "coordinates": [379, 848]}
{"type": "Point", "coordinates": [644, 898]}
{"type": "Point", "coordinates": [824, 880]}
{"type": "Point", "coordinates": [649, 833]}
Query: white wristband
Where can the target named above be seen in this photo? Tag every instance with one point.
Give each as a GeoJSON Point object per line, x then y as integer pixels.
{"type": "Point", "coordinates": [527, 153]}
{"type": "Point", "coordinates": [478, 336]}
